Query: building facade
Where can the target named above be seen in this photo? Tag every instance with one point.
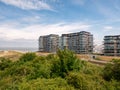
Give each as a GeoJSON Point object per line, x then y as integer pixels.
{"type": "Point", "coordinates": [112, 45]}
{"type": "Point", "coordinates": [48, 43]}
{"type": "Point", "coordinates": [64, 41]}
{"type": "Point", "coordinates": [80, 42]}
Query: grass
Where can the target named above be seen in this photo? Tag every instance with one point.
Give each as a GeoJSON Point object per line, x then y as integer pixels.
{"type": "Point", "coordinates": [12, 55]}
{"type": "Point", "coordinates": [98, 57]}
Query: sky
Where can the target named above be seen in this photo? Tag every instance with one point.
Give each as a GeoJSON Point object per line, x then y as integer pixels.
{"type": "Point", "coordinates": [23, 21]}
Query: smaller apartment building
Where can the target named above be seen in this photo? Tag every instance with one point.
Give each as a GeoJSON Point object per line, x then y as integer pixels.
{"type": "Point", "coordinates": [48, 43]}
{"type": "Point", "coordinates": [112, 45]}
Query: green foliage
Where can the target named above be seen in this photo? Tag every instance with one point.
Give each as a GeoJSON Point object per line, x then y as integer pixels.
{"type": "Point", "coordinates": [112, 71]}
{"type": "Point", "coordinates": [116, 70]}
{"type": "Point", "coordinates": [78, 81]}
{"type": "Point", "coordinates": [60, 71]}
{"type": "Point", "coordinates": [66, 61]}
{"type": "Point", "coordinates": [41, 68]}
{"type": "Point", "coordinates": [91, 69]}
{"type": "Point", "coordinates": [5, 63]}
{"type": "Point", "coordinates": [81, 81]}
{"type": "Point", "coordinates": [107, 72]}
{"type": "Point", "coordinates": [22, 71]}
{"type": "Point", "coordinates": [46, 84]}
{"type": "Point", "coordinates": [28, 57]}
{"type": "Point", "coordinates": [115, 60]}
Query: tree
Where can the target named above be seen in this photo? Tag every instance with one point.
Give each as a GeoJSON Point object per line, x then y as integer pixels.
{"type": "Point", "coordinates": [66, 61]}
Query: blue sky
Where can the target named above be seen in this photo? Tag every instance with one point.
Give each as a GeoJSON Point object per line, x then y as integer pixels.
{"type": "Point", "coordinates": [23, 21]}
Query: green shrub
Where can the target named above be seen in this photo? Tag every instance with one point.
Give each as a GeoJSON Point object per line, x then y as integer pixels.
{"type": "Point", "coordinates": [66, 61]}
{"type": "Point", "coordinates": [91, 69]}
{"type": "Point", "coordinates": [28, 57]}
{"type": "Point", "coordinates": [50, 56]}
{"type": "Point", "coordinates": [112, 71]}
{"type": "Point", "coordinates": [40, 71]}
{"type": "Point", "coordinates": [21, 71]}
{"type": "Point", "coordinates": [40, 68]}
{"type": "Point", "coordinates": [61, 71]}
{"type": "Point", "coordinates": [116, 70]}
{"type": "Point", "coordinates": [78, 81]}
{"type": "Point", "coordinates": [5, 63]}
{"type": "Point", "coordinates": [46, 84]}
{"type": "Point", "coordinates": [107, 72]}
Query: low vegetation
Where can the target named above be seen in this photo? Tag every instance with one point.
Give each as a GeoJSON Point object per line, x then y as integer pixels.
{"type": "Point", "coordinates": [61, 71]}
{"type": "Point", "coordinates": [11, 55]}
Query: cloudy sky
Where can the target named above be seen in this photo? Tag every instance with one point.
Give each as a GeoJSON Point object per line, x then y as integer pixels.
{"type": "Point", "coordinates": [23, 21]}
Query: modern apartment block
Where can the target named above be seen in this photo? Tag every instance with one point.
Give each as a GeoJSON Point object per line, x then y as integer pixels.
{"type": "Point", "coordinates": [48, 43]}
{"type": "Point", "coordinates": [64, 41]}
{"type": "Point", "coordinates": [112, 45]}
{"type": "Point", "coordinates": [80, 42]}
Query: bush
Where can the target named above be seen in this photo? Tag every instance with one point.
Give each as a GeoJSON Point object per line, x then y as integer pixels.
{"type": "Point", "coordinates": [64, 62]}
{"type": "Point", "coordinates": [112, 71]}
{"type": "Point", "coordinates": [91, 69]}
{"type": "Point", "coordinates": [78, 81]}
{"type": "Point", "coordinates": [5, 63]}
{"type": "Point", "coordinates": [46, 84]}
{"type": "Point", "coordinates": [28, 57]}
{"type": "Point", "coordinates": [40, 70]}
{"type": "Point", "coordinates": [22, 71]}
{"type": "Point", "coordinates": [61, 71]}
{"type": "Point", "coordinates": [116, 70]}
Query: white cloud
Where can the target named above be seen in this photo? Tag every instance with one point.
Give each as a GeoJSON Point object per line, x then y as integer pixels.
{"type": "Point", "coordinates": [34, 31]}
{"type": "Point", "coordinates": [31, 19]}
{"type": "Point", "coordinates": [108, 28]}
{"type": "Point", "coordinates": [28, 4]}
